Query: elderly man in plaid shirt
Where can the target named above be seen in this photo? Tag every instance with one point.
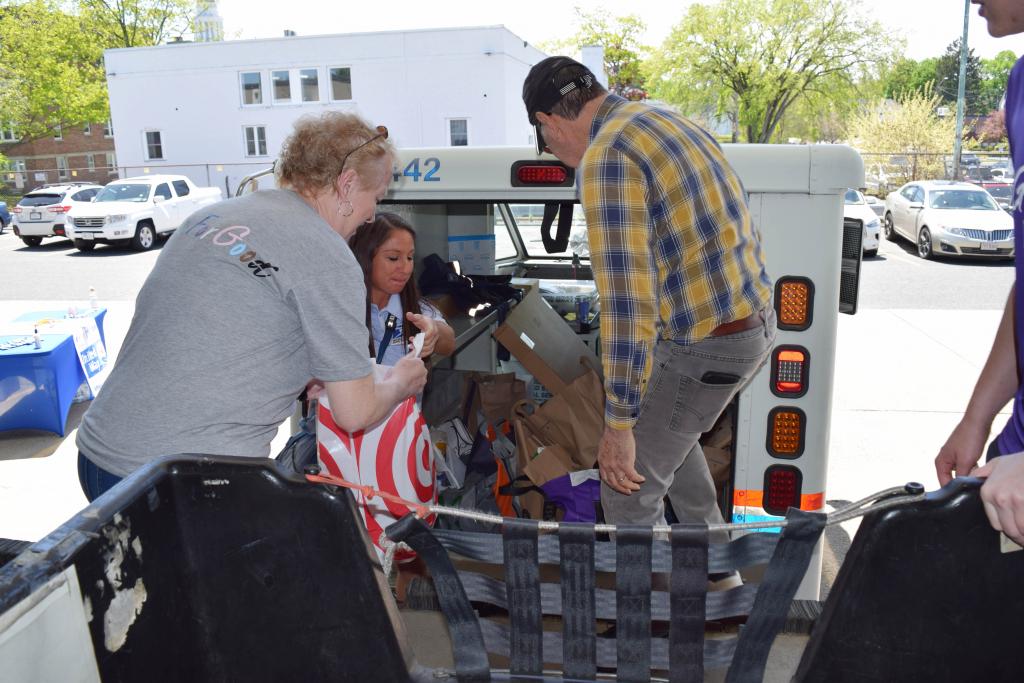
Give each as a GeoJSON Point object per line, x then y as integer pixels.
{"type": "Point", "coordinates": [686, 316]}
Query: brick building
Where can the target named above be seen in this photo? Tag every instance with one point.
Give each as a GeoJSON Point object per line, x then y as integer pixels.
{"type": "Point", "coordinates": [73, 154]}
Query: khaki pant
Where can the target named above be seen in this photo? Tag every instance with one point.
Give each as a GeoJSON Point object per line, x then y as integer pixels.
{"type": "Point", "coordinates": [683, 402]}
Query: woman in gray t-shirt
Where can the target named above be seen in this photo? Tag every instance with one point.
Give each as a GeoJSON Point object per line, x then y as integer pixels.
{"type": "Point", "coordinates": [250, 300]}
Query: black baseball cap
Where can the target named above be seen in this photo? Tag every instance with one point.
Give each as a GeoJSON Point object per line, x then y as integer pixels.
{"type": "Point", "coordinates": [547, 83]}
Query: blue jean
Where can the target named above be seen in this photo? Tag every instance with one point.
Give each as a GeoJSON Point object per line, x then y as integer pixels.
{"type": "Point", "coordinates": [95, 480]}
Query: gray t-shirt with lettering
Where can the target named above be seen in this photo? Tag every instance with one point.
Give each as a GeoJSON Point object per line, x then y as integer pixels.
{"type": "Point", "coordinates": [249, 299]}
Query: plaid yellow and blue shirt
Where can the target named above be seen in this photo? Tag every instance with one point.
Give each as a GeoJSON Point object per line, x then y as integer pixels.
{"type": "Point", "coordinates": [672, 245]}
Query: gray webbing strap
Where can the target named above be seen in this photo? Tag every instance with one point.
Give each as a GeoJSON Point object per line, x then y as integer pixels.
{"type": "Point", "coordinates": [717, 652]}
{"type": "Point", "coordinates": [719, 605]}
{"type": "Point", "coordinates": [522, 585]}
{"type": "Point", "coordinates": [689, 586]}
{"type": "Point", "coordinates": [745, 551]}
{"type": "Point", "coordinates": [468, 650]}
{"type": "Point", "coordinates": [579, 639]}
{"type": "Point", "coordinates": [781, 579]}
{"type": "Point", "coordinates": [633, 603]}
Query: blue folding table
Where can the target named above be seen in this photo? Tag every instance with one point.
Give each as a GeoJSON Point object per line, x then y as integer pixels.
{"type": "Point", "coordinates": [37, 386]}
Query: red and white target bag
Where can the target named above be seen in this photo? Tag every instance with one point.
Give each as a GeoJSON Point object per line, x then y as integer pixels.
{"type": "Point", "coordinates": [393, 456]}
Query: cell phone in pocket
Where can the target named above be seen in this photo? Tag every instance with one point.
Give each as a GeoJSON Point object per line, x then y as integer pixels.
{"type": "Point", "coordinates": [715, 377]}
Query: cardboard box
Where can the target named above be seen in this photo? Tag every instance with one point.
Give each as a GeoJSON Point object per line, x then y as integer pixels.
{"type": "Point", "coordinates": [533, 325]}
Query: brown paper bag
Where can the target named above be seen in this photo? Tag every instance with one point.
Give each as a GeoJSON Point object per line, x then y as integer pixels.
{"type": "Point", "coordinates": [572, 418]}
{"type": "Point", "coordinates": [552, 462]}
{"type": "Point", "coordinates": [494, 395]}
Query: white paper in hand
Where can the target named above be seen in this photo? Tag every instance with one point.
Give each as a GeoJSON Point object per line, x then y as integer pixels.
{"type": "Point", "coordinates": [417, 344]}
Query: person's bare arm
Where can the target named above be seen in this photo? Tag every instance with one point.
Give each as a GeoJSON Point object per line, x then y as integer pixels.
{"type": "Point", "coordinates": [996, 385]}
{"type": "Point", "coordinates": [360, 403]}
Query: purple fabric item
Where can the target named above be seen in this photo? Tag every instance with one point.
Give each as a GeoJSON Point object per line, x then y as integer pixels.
{"type": "Point", "coordinates": [577, 501]}
{"type": "Point", "coordinates": [1011, 440]}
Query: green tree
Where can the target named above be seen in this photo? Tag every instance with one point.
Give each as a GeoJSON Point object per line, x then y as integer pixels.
{"type": "Point", "coordinates": [51, 56]}
{"type": "Point", "coordinates": [995, 73]}
{"type": "Point", "coordinates": [908, 75]}
{"type": "Point", "coordinates": [51, 69]}
{"type": "Point", "coordinates": [904, 140]}
{"type": "Point", "coordinates": [623, 51]}
{"type": "Point", "coordinates": [135, 23]}
{"type": "Point", "coordinates": [762, 56]}
{"type": "Point", "coordinates": [947, 78]}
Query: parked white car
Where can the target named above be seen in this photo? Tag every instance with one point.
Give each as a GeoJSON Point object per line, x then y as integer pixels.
{"type": "Point", "coordinates": [855, 206]}
{"type": "Point", "coordinates": [138, 211]}
{"type": "Point", "coordinates": [948, 217]}
{"type": "Point", "coordinates": [43, 212]}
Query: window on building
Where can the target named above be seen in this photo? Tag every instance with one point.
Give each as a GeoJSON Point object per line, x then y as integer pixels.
{"type": "Point", "coordinates": [7, 133]}
{"type": "Point", "coordinates": [62, 168]}
{"type": "Point", "coordinates": [58, 132]}
{"type": "Point", "coordinates": [341, 83]}
{"type": "Point", "coordinates": [111, 163]}
{"type": "Point", "coordinates": [281, 83]}
{"type": "Point", "coordinates": [19, 165]}
{"type": "Point", "coordinates": [87, 129]}
{"type": "Point", "coordinates": [255, 141]}
{"type": "Point", "coordinates": [310, 83]}
{"type": "Point", "coordinates": [90, 161]}
{"type": "Point", "coordinates": [108, 129]}
{"type": "Point", "coordinates": [154, 145]}
{"type": "Point", "coordinates": [252, 87]}
{"type": "Point", "coordinates": [180, 187]}
{"type": "Point", "coordinates": [458, 132]}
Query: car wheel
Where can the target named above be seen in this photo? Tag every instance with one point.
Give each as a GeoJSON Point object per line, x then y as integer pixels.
{"type": "Point", "coordinates": [889, 229]}
{"type": "Point", "coordinates": [924, 244]}
{"type": "Point", "coordinates": [84, 245]}
{"type": "Point", "coordinates": [32, 241]}
{"type": "Point", "coordinates": [145, 237]}
{"type": "Point", "coordinates": [868, 253]}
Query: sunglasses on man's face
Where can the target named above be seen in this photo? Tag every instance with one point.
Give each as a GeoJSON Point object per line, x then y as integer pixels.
{"type": "Point", "coordinates": [382, 132]}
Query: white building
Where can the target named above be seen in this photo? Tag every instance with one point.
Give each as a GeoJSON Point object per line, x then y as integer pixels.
{"type": "Point", "coordinates": [217, 111]}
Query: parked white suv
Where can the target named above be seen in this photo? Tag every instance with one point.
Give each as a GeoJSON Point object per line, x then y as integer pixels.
{"type": "Point", "coordinates": [43, 211]}
{"type": "Point", "coordinates": [137, 210]}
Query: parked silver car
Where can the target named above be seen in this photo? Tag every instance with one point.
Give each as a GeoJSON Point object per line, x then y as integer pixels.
{"type": "Point", "coordinates": [950, 218]}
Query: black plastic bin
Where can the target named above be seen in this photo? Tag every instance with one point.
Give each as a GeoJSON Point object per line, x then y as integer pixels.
{"type": "Point", "coordinates": [241, 573]}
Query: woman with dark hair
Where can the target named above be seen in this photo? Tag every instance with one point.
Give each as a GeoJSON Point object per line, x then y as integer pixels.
{"type": "Point", "coordinates": [386, 249]}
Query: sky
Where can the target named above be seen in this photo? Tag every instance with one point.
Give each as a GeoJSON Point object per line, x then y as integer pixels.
{"type": "Point", "coordinates": [927, 26]}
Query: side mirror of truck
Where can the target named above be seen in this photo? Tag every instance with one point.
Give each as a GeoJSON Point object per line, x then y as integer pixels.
{"type": "Point", "coordinates": [159, 198]}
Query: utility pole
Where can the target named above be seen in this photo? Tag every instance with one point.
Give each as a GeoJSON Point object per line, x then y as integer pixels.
{"type": "Point", "coordinates": [958, 141]}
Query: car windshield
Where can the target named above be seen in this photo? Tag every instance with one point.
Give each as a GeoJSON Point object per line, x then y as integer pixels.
{"type": "Point", "coordinates": [40, 199]}
{"type": "Point", "coordinates": [123, 193]}
{"type": "Point", "coordinates": [854, 197]}
{"type": "Point", "coordinates": [975, 200]}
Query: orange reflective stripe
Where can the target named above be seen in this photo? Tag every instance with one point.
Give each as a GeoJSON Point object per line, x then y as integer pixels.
{"type": "Point", "coordinates": [748, 498]}
{"type": "Point", "coordinates": [812, 501]}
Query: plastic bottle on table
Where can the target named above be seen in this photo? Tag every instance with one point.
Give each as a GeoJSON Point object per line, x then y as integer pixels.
{"type": "Point", "coordinates": [93, 304]}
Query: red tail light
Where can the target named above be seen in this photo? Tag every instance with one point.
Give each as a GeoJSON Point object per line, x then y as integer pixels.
{"type": "Point", "coordinates": [59, 209]}
{"type": "Point", "coordinates": [782, 488]}
{"type": "Point", "coordinates": [541, 174]}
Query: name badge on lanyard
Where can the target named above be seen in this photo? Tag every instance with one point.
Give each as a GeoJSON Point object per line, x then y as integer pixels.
{"type": "Point", "coordinates": [389, 332]}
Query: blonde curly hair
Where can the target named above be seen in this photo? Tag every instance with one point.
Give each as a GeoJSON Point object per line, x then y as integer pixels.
{"type": "Point", "coordinates": [311, 157]}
